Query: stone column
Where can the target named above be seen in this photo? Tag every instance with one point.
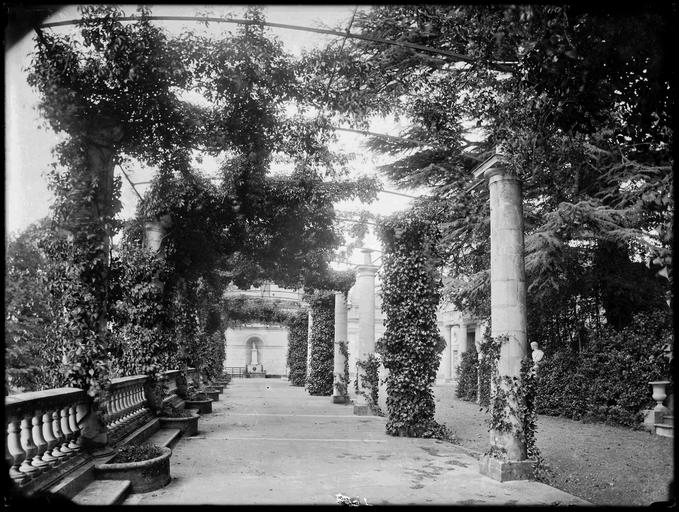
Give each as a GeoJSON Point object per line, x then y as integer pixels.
{"type": "Point", "coordinates": [365, 292]}
{"type": "Point", "coordinates": [508, 314]}
{"type": "Point", "coordinates": [341, 317]}
{"type": "Point", "coordinates": [462, 336]}
{"type": "Point", "coordinates": [447, 356]}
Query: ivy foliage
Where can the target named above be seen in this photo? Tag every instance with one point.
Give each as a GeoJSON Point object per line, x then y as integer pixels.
{"type": "Point", "coordinates": [367, 382]}
{"type": "Point", "coordinates": [117, 91]}
{"type": "Point", "coordinates": [31, 363]}
{"type": "Point", "coordinates": [342, 380]}
{"type": "Point", "coordinates": [241, 310]}
{"type": "Point", "coordinates": [321, 361]}
{"type": "Point", "coordinates": [411, 344]}
{"type": "Point", "coordinates": [298, 326]}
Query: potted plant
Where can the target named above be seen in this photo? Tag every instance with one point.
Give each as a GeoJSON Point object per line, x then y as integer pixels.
{"type": "Point", "coordinates": [146, 466]}
{"type": "Point", "coordinates": [198, 399]}
{"type": "Point", "coordinates": [185, 420]}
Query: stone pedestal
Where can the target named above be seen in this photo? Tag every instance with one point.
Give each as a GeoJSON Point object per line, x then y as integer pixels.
{"type": "Point", "coordinates": [508, 311]}
{"type": "Point", "coordinates": [506, 470]}
{"type": "Point", "coordinates": [365, 291]}
{"type": "Point", "coordinates": [341, 317]}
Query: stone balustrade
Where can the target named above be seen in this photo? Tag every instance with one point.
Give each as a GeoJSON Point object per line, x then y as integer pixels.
{"type": "Point", "coordinates": [126, 407]}
{"type": "Point", "coordinates": [43, 427]}
{"type": "Point", "coordinates": [42, 430]}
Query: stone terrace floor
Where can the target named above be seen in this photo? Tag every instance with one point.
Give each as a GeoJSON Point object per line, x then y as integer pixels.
{"type": "Point", "coordinates": [267, 442]}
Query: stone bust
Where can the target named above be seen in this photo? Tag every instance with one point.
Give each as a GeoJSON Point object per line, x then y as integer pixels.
{"type": "Point", "coordinates": [537, 354]}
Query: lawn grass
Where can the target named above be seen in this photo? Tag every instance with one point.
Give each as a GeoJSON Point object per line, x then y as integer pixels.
{"type": "Point", "coordinates": [603, 464]}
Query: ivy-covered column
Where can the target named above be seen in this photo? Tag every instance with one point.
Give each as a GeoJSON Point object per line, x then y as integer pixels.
{"type": "Point", "coordinates": [310, 323]}
{"type": "Point", "coordinates": [341, 364]}
{"type": "Point", "coordinates": [507, 459]}
{"type": "Point", "coordinates": [365, 291]}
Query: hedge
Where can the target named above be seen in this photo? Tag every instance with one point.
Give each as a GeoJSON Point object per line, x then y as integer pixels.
{"type": "Point", "coordinates": [607, 381]}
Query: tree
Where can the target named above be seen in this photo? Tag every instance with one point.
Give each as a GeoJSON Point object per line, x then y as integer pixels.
{"type": "Point", "coordinates": [30, 363]}
{"type": "Point", "coordinates": [584, 117]}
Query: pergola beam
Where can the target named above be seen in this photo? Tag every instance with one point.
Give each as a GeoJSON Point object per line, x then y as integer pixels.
{"type": "Point", "coordinates": [499, 66]}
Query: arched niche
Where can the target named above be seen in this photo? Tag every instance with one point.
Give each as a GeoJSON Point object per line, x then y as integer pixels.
{"type": "Point", "coordinates": [254, 348]}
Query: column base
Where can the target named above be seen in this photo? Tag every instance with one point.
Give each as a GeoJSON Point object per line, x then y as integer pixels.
{"type": "Point", "coordinates": [339, 399]}
{"type": "Point", "coordinates": [507, 470]}
{"type": "Point", "coordinates": [362, 410]}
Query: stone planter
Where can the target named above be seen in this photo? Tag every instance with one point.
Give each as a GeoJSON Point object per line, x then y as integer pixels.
{"type": "Point", "coordinates": [145, 476]}
{"type": "Point", "coordinates": [659, 394]}
{"type": "Point", "coordinates": [203, 406]}
{"type": "Point", "coordinates": [216, 387]}
{"type": "Point", "coordinates": [188, 425]}
{"type": "Point", "coordinates": [213, 395]}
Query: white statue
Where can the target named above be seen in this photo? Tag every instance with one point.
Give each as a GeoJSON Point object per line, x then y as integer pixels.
{"type": "Point", "coordinates": [537, 354]}
{"type": "Point", "coordinates": [254, 359]}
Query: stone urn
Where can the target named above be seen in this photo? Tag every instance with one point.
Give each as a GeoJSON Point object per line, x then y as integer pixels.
{"type": "Point", "coordinates": [187, 424]}
{"type": "Point", "coordinates": [202, 406]}
{"type": "Point", "coordinates": [144, 476]}
{"type": "Point", "coordinates": [659, 394]}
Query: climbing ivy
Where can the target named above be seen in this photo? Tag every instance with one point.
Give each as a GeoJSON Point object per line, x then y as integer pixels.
{"type": "Point", "coordinates": [411, 342]}
{"type": "Point", "coordinates": [342, 382]}
{"type": "Point", "coordinates": [320, 376]}
{"type": "Point", "coordinates": [512, 403]}
{"type": "Point", "coordinates": [298, 326]}
{"type": "Point", "coordinates": [369, 384]}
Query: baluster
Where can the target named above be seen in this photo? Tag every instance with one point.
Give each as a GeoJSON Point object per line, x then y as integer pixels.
{"type": "Point", "coordinates": [58, 436]}
{"type": "Point", "coordinates": [117, 406]}
{"type": "Point", "coordinates": [16, 453]}
{"type": "Point", "coordinates": [49, 438]}
{"type": "Point", "coordinates": [40, 443]}
{"type": "Point", "coordinates": [139, 399]}
{"type": "Point", "coordinates": [112, 408]}
{"type": "Point", "coordinates": [29, 448]}
{"type": "Point", "coordinates": [124, 404]}
{"type": "Point", "coordinates": [66, 429]}
{"type": "Point", "coordinates": [73, 427]}
{"type": "Point", "coordinates": [132, 394]}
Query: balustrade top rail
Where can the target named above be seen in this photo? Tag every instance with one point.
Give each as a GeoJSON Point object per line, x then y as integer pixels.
{"type": "Point", "coordinates": [24, 403]}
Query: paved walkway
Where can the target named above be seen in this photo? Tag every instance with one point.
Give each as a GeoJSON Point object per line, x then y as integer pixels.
{"type": "Point", "coordinates": [267, 442]}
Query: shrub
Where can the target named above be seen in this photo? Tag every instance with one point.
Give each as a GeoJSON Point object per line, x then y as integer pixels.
{"type": "Point", "coordinates": [467, 372]}
{"type": "Point", "coordinates": [609, 380]}
{"type": "Point", "coordinates": [138, 453]}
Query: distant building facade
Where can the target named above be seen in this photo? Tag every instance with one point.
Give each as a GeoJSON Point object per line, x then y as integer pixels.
{"type": "Point", "coordinates": [267, 345]}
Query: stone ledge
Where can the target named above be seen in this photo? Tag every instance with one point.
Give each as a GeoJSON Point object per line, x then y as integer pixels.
{"type": "Point", "coordinates": [506, 470]}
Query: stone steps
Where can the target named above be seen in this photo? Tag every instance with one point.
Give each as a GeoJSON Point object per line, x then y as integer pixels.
{"type": "Point", "coordinates": [167, 437]}
{"type": "Point", "coordinates": [103, 492]}
{"type": "Point", "coordinates": [113, 492]}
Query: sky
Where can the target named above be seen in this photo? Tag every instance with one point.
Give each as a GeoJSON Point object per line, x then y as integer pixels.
{"type": "Point", "coordinates": [28, 141]}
